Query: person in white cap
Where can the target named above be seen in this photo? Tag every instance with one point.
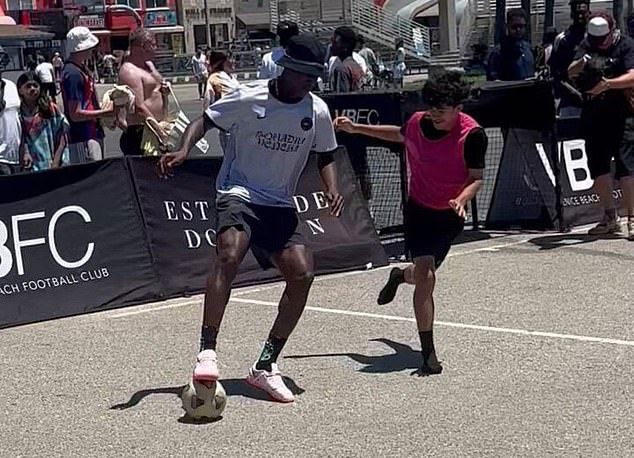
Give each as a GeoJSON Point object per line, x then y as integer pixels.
{"type": "Point", "coordinates": [603, 69]}
{"type": "Point", "coordinates": [81, 105]}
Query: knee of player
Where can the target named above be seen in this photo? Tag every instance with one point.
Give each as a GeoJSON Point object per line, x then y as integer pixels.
{"type": "Point", "coordinates": [228, 258]}
{"type": "Point", "coordinates": [424, 273]}
{"type": "Point", "coordinates": [303, 277]}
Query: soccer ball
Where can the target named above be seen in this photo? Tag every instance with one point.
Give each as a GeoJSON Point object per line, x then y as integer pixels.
{"type": "Point", "coordinates": [204, 401]}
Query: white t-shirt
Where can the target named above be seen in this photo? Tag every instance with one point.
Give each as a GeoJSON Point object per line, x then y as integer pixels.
{"type": "Point", "coordinates": [45, 72]}
{"type": "Point", "coordinates": [268, 68]}
{"type": "Point", "coordinates": [10, 129]}
{"type": "Point", "coordinates": [269, 143]}
{"type": "Point", "coordinates": [199, 65]}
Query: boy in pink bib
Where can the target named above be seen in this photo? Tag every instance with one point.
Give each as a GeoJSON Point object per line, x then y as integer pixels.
{"type": "Point", "coordinates": [445, 151]}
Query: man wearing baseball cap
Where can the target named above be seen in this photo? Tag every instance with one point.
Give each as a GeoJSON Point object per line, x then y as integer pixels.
{"type": "Point", "coordinates": [604, 69]}
{"type": "Point", "coordinates": [274, 126]}
{"type": "Point", "coordinates": [81, 105]}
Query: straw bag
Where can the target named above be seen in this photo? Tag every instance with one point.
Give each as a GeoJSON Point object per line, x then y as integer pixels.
{"type": "Point", "coordinates": [153, 145]}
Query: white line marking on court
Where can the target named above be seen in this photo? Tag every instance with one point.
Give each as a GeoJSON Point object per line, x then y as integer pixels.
{"type": "Point", "coordinates": [257, 289]}
{"type": "Point", "coordinates": [449, 324]}
{"type": "Point", "coordinates": [154, 309]}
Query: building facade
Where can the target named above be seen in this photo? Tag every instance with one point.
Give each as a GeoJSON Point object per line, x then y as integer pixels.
{"type": "Point", "coordinates": [111, 24]}
{"type": "Point", "coordinates": [160, 16]}
{"type": "Point", "coordinates": [221, 24]}
{"type": "Point", "coordinates": [45, 14]}
{"type": "Point", "coordinates": [253, 16]}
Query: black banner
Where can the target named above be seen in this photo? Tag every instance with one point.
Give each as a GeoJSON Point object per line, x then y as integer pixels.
{"type": "Point", "coordinates": [581, 205]}
{"type": "Point", "coordinates": [71, 242]}
{"type": "Point", "coordinates": [110, 234]}
{"type": "Point", "coordinates": [378, 165]}
{"type": "Point", "coordinates": [180, 219]}
{"type": "Point", "coordinates": [524, 193]}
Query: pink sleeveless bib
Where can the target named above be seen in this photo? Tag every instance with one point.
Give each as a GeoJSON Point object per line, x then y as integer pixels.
{"type": "Point", "coordinates": [436, 168]}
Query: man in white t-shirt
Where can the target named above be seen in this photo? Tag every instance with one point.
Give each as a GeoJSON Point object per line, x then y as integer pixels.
{"type": "Point", "coordinates": [10, 130]}
{"type": "Point", "coordinates": [274, 127]}
{"type": "Point", "coordinates": [46, 74]}
{"type": "Point", "coordinates": [269, 67]}
{"type": "Point", "coordinates": [199, 69]}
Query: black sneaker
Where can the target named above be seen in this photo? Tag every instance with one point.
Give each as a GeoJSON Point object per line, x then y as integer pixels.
{"type": "Point", "coordinates": [432, 366]}
{"type": "Point", "coordinates": [389, 290]}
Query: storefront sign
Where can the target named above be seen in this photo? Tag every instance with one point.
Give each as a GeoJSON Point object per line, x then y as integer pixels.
{"type": "Point", "coordinates": [84, 6]}
{"type": "Point", "coordinates": [92, 21]}
{"type": "Point", "coordinates": [160, 18]}
{"type": "Point", "coordinates": [200, 12]}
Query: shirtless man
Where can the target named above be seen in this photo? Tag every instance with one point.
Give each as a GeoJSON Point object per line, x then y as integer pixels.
{"type": "Point", "coordinates": [138, 72]}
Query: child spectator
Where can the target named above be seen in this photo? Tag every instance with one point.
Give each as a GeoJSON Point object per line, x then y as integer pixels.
{"type": "Point", "coordinates": [44, 127]}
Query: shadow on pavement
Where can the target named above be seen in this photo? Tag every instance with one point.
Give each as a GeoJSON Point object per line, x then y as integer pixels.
{"type": "Point", "coordinates": [233, 387]}
{"type": "Point", "coordinates": [137, 397]}
{"type": "Point", "coordinates": [552, 242]}
{"type": "Point", "coordinates": [403, 358]}
{"type": "Point", "coordinates": [239, 387]}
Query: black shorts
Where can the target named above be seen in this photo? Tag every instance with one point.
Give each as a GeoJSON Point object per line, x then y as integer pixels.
{"type": "Point", "coordinates": [130, 141]}
{"type": "Point", "coordinates": [270, 229]}
{"type": "Point", "coordinates": [430, 232]}
{"type": "Point", "coordinates": [626, 152]}
{"type": "Point", "coordinates": [604, 139]}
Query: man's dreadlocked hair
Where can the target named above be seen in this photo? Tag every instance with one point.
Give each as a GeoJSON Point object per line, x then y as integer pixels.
{"type": "Point", "coordinates": [446, 89]}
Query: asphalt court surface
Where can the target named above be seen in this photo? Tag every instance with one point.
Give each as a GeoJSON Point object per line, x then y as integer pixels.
{"type": "Point", "coordinates": [535, 332]}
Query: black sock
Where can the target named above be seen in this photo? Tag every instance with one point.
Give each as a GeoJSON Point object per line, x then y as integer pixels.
{"type": "Point", "coordinates": [426, 343]}
{"type": "Point", "coordinates": [272, 349]}
{"type": "Point", "coordinates": [208, 337]}
{"type": "Point", "coordinates": [399, 276]}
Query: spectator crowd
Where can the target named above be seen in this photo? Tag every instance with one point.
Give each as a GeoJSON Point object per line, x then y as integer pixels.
{"type": "Point", "coordinates": [591, 64]}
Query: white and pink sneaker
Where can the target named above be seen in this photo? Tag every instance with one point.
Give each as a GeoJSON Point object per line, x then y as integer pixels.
{"type": "Point", "coordinates": [270, 382]}
{"type": "Point", "coordinates": [206, 369]}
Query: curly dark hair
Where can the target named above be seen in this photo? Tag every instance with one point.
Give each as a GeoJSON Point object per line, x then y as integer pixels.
{"type": "Point", "coordinates": [446, 89]}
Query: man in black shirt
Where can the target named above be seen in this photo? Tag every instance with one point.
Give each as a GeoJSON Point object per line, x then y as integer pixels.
{"type": "Point", "coordinates": [564, 53]}
{"type": "Point", "coordinates": [603, 69]}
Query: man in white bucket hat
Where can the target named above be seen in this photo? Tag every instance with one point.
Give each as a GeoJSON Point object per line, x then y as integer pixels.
{"type": "Point", "coordinates": [81, 105]}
